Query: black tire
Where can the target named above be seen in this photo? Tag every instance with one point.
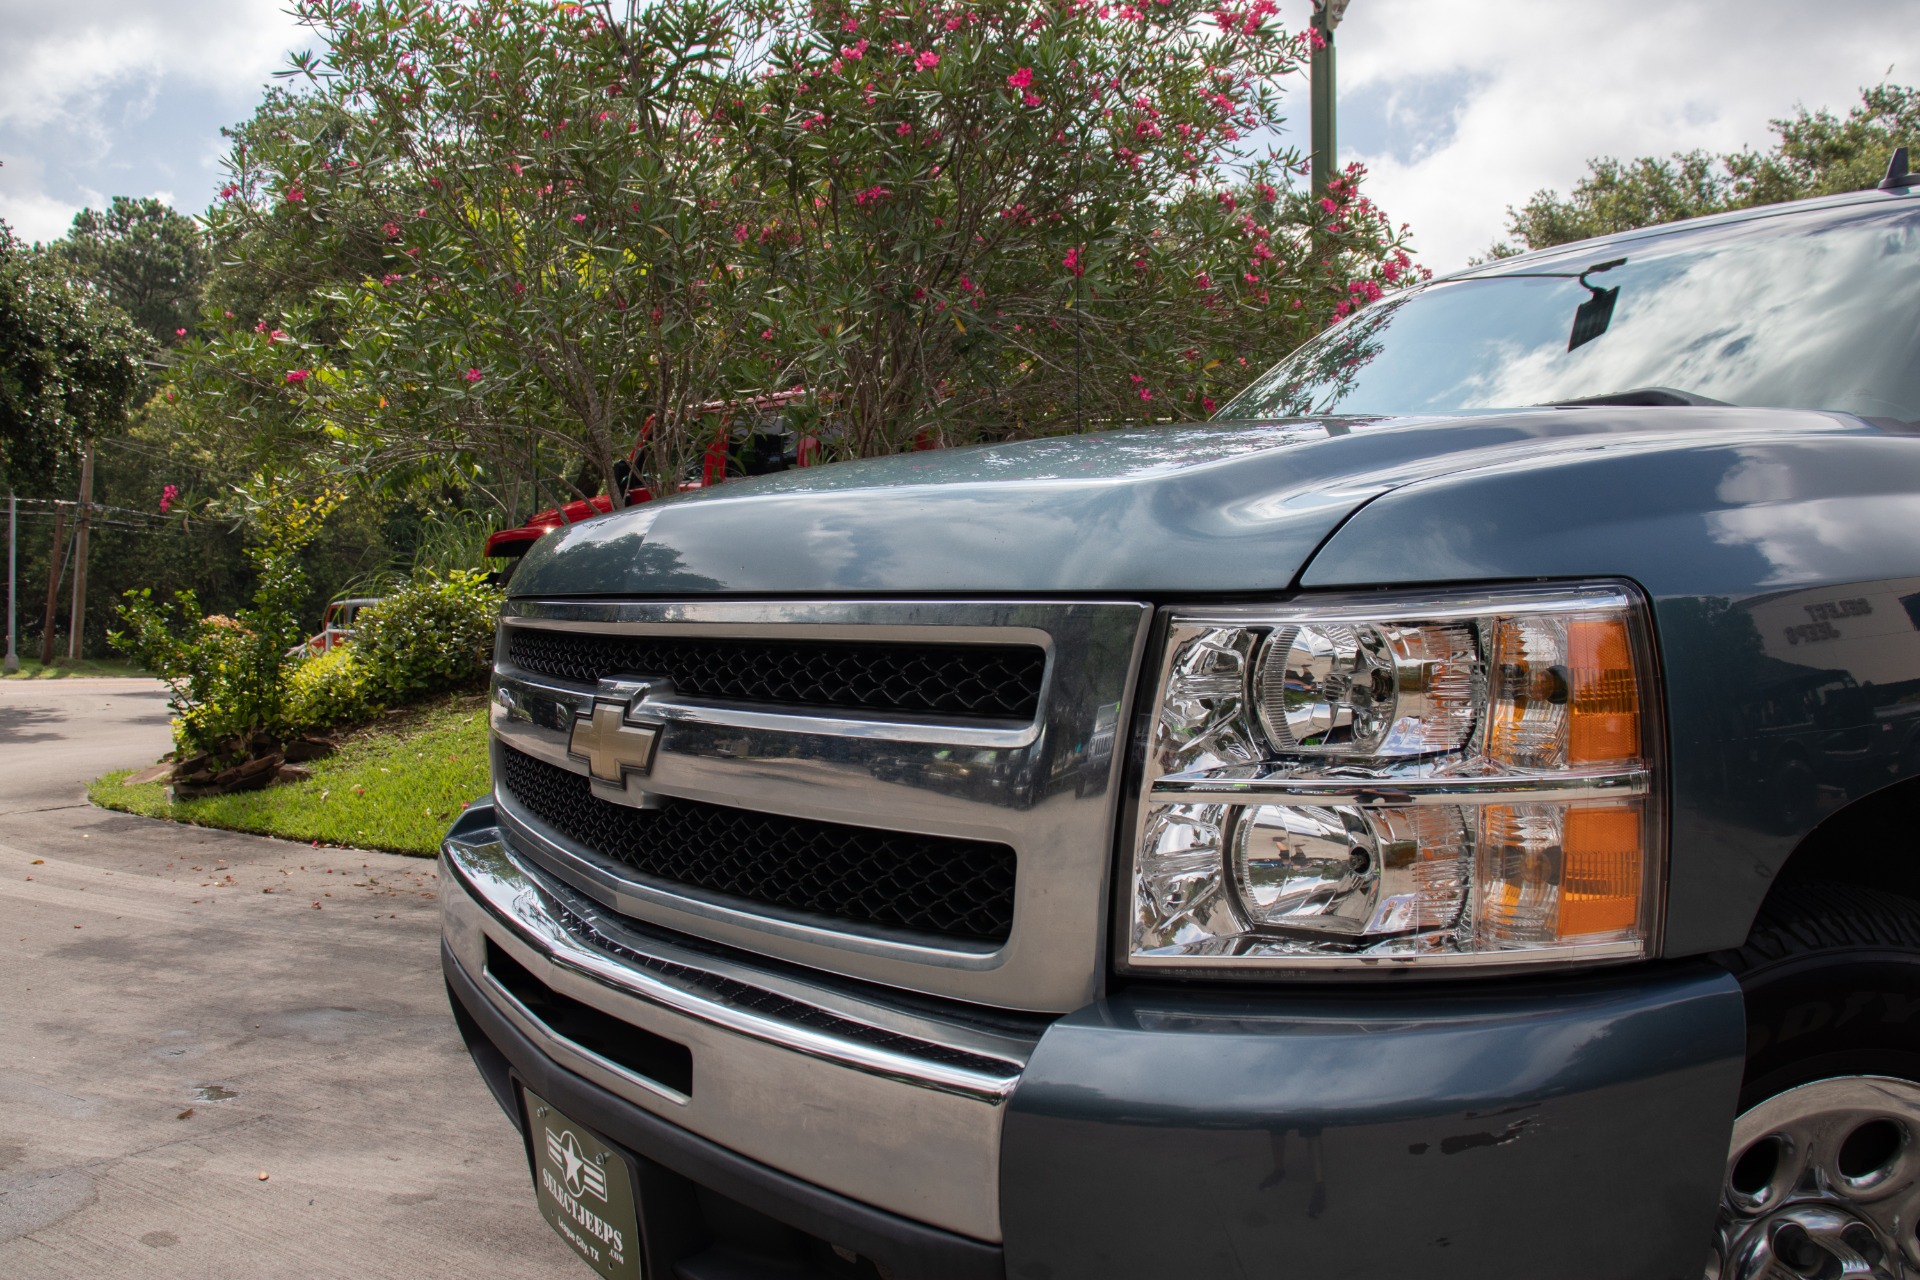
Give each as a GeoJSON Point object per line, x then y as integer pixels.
{"type": "Point", "coordinates": [1831, 975]}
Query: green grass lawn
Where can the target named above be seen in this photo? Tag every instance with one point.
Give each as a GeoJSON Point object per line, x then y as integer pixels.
{"type": "Point", "coordinates": [395, 785]}
{"type": "Point", "coordinates": [30, 669]}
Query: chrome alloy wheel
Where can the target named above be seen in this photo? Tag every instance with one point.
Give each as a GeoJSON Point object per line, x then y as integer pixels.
{"type": "Point", "coordinates": [1823, 1182]}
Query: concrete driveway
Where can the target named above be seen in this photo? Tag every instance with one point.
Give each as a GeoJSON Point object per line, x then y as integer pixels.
{"type": "Point", "coordinates": [222, 1055]}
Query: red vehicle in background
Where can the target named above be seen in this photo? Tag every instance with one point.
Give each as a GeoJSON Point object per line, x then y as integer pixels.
{"type": "Point", "coordinates": [336, 627]}
{"type": "Point", "coordinates": [752, 438]}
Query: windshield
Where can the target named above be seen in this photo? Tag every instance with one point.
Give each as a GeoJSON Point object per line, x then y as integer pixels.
{"type": "Point", "coordinates": [1804, 311]}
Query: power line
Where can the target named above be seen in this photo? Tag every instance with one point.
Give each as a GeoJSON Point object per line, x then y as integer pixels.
{"type": "Point", "coordinates": [55, 503]}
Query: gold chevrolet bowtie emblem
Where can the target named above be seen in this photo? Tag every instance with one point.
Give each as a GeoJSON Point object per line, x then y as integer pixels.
{"type": "Point", "coordinates": [616, 743]}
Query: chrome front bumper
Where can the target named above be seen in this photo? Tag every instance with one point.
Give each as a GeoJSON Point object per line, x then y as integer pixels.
{"type": "Point", "coordinates": [897, 1108]}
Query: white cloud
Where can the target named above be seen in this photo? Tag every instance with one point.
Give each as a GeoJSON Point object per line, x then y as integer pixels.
{"type": "Point", "coordinates": [59, 56]}
{"type": "Point", "coordinates": [1536, 87]}
{"type": "Point", "coordinates": [124, 95]}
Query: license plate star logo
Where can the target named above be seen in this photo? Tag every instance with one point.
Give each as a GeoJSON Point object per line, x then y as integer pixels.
{"type": "Point", "coordinates": [582, 1176]}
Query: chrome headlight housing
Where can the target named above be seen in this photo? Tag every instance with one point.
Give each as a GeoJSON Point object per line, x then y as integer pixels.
{"type": "Point", "coordinates": [1392, 781]}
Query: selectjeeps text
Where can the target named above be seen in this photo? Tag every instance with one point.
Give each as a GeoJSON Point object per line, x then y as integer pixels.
{"type": "Point", "coordinates": [1453, 815]}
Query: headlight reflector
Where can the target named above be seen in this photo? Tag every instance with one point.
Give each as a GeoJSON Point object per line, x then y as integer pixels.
{"type": "Point", "coordinates": [1437, 781]}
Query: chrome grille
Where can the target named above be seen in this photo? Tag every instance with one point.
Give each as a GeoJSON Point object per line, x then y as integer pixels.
{"type": "Point", "coordinates": [845, 785]}
{"type": "Point", "coordinates": [924, 884]}
{"type": "Point", "coordinates": [988, 681]}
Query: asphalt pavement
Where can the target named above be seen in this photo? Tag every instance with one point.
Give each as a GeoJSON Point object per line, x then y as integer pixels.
{"type": "Point", "coordinates": [221, 1055]}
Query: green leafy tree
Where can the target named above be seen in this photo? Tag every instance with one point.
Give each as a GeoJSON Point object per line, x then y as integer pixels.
{"type": "Point", "coordinates": [1817, 153]}
{"type": "Point", "coordinates": [536, 199]}
{"type": "Point", "coordinates": [70, 366]}
{"type": "Point", "coordinates": [148, 259]}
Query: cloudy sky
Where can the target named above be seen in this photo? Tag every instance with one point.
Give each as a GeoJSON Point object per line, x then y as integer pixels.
{"type": "Point", "coordinates": [1460, 107]}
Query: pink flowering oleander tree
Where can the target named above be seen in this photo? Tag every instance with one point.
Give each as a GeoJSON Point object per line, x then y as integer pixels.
{"type": "Point", "coordinates": [516, 237]}
{"type": "Point", "coordinates": [1003, 217]}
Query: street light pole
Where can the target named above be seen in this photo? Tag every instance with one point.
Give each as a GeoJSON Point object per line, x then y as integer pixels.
{"type": "Point", "coordinates": [1326, 16]}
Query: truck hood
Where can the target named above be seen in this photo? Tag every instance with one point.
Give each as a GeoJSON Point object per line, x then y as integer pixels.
{"type": "Point", "coordinates": [1219, 508]}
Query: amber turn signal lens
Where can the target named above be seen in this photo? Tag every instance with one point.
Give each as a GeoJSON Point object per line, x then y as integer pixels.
{"type": "Point", "coordinates": [1603, 703]}
{"type": "Point", "coordinates": [1601, 865]}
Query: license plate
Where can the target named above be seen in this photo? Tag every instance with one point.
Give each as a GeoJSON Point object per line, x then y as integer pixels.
{"type": "Point", "coordinates": [584, 1192]}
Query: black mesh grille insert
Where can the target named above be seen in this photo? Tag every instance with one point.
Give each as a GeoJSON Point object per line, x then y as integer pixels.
{"type": "Point", "coordinates": [928, 884]}
{"type": "Point", "coordinates": [998, 681]}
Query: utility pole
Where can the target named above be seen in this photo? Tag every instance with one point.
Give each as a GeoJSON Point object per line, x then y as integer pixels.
{"type": "Point", "coordinates": [1326, 16]}
{"type": "Point", "coordinates": [77, 616]}
{"type": "Point", "coordinates": [56, 563]}
{"type": "Point", "coordinates": [13, 584]}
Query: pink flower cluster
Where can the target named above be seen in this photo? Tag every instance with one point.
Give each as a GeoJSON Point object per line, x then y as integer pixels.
{"type": "Point", "coordinates": [473, 375]}
{"type": "Point", "coordinates": [872, 195]}
{"type": "Point", "coordinates": [1247, 21]}
{"type": "Point", "coordinates": [1021, 78]}
{"type": "Point", "coordinates": [167, 494]}
{"type": "Point", "coordinates": [926, 61]}
{"type": "Point", "coordinates": [297, 376]}
{"type": "Point", "coordinates": [1072, 262]}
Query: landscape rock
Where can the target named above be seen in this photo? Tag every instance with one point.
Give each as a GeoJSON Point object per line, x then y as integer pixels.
{"type": "Point", "coordinates": [308, 747]}
{"type": "Point", "coordinates": [152, 773]}
{"type": "Point", "coordinates": [292, 773]}
{"type": "Point", "coordinates": [248, 775]}
{"type": "Point", "coordinates": [256, 773]}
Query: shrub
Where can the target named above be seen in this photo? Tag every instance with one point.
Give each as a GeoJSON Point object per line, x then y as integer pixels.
{"type": "Point", "coordinates": [228, 675]}
{"type": "Point", "coordinates": [432, 634]}
{"type": "Point", "coordinates": [225, 674]}
{"type": "Point", "coordinates": [327, 689]}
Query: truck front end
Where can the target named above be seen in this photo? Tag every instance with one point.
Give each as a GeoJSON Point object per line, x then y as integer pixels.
{"type": "Point", "coordinates": [1050, 933]}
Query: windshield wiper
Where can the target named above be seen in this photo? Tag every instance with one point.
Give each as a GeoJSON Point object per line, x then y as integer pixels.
{"type": "Point", "coordinates": [1641, 396]}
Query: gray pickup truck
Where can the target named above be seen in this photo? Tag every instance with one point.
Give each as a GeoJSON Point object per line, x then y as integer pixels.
{"type": "Point", "coordinates": [1452, 815]}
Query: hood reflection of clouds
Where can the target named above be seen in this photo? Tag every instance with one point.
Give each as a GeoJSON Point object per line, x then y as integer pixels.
{"type": "Point", "coordinates": [1774, 313]}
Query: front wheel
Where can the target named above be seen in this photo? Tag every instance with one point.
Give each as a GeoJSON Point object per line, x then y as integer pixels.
{"type": "Point", "coordinates": [1823, 1174]}
{"type": "Point", "coordinates": [1823, 1182]}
